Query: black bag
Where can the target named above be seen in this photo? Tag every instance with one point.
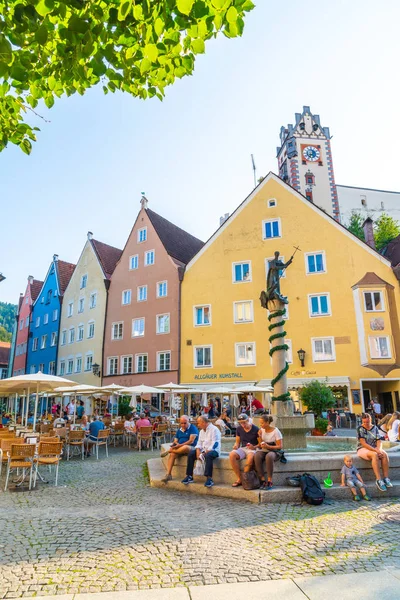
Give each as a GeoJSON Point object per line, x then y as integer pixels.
{"type": "Point", "coordinates": [311, 490]}
{"type": "Point", "coordinates": [250, 481]}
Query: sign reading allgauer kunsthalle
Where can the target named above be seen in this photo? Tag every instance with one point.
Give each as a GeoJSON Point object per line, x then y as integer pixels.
{"type": "Point", "coordinates": [220, 376]}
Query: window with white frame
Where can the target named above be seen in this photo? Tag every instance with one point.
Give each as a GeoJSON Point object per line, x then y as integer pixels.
{"type": "Point", "coordinates": [272, 203]}
{"type": "Point", "coordinates": [163, 323]}
{"type": "Point", "coordinates": [63, 337]}
{"type": "Point", "coordinates": [141, 363]}
{"type": "Point", "coordinates": [379, 346]}
{"type": "Point", "coordinates": [133, 262]}
{"type": "Point", "coordinates": [149, 258]}
{"type": "Point", "coordinates": [93, 300]}
{"type": "Point", "coordinates": [33, 369]}
{"type": "Point", "coordinates": [41, 367]}
{"type": "Point", "coordinates": [245, 353]}
{"type": "Point", "coordinates": [37, 323]}
{"type": "Point", "coordinates": [42, 300]}
{"type": "Point", "coordinates": [319, 305]}
{"type": "Point", "coordinates": [26, 322]}
{"type": "Point", "coordinates": [70, 366]}
{"type": "Point", "coordinates": [289, 352]}
{"type": "Point", "coordinates": [142, 293]}
{"type": "Point", "coordinates": [162, 289]}
{"type": "Point", "coordinates": [35, 344]}
{"type": "Point", "coordinates": [43, 342]}
{"type": "Point", "coordinates": [323, 349]}
{"type": "Point", "coordinates": [164, 361]}
{"type": "Point", "coordinates": [126, 297]}
{"type": "Point", "coordinates": [243, 311]}
{"type": "Point", "coordinates": [202, 356]}
{"type": "Point", "coordinates": [62, 368]}
{"type": "Point", "coordinates": [81, 333]}
{"type": "Point", "coordinates": [112, 365]}
{"type": "Point", "coordinates": [55, 314]}
{"type": "Point", "coordinates": [21, 325]}
{"type": "Point", "coordinates": [90, 332]}
{"type": "Point", "coordinates": [315, 262]}
{"type": "Point", "coordinates": [53, 341]}
{"type": "Point", "coordinates": [88, 362]}
{"type": "Point", "coordinates": [70, 309]}
{"type": "Point", "coordinates": [282, 272]}
{"type": "Point", "coordinates": [78, 364]}
{"type": "Point", "coordinates": [45, 319]}
{"type": "Point", "coordinates": [27, 300]}
{"type": "Point", "coordinates": [373, 301]}
{"type": "Point", "coordinates": [271, 229]}
{"type": "Point", "coordinates": [72, 335]}
{"type": "Point", "coordinates": [84, 279]}
{"type": "Point", "coordinates": [52, 368]}
{"type": "Point", "coordinates": [142, 235]}
{"type": "Point", "coordinates": [81, 305]}
{"type": "Point", "coordinates": [241, 272]}
{"type": "Point", "coordinates": [117, 331]}
{"type": "Point", "coordinates": [126, 365]}
{"type": "Point", "coordinates": [202, 315]}
{"type": "Point", "coordinates": [138, 327]}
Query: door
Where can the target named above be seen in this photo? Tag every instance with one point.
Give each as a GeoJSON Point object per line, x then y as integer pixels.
{"type": "Point", "coordinates": [386, 402]}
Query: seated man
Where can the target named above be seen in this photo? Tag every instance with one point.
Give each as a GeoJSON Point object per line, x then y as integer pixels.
{"type": "Point", "coordinates": [185, 439]}
{"type": "Point", "coordinates": [208, 448]}
{"type": "Point", "coordinates": [245, 447]}
{"type": "Point", "coordinates": [94, 428]}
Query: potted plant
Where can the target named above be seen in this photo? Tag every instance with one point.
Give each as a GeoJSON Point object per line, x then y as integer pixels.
{"type": "Point", "coordinates": [321, 425]}
{"type": "Point", "coordinates": [318, 397]}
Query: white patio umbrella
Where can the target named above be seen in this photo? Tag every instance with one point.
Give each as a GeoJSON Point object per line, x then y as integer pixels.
{"type": "Point", "coordinates": [171, 387]}
{"type": "Point", "coordinates": [112, 389]}
{"type": "Point", "coordinates": [40, 381]}
{"type": "Point", "coordinates": [81, 390]}
{"type": "Point", "coordinates": [139, 390]}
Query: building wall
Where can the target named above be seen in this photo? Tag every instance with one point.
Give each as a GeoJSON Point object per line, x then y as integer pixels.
{"type": "Point", "coordinates": [123, 278]}
{"type": "Point", "coordinates": [88, 265]}
{"type": "Point", "coordinates": [46, 303]}
{"type": "Point", "coordinates": [208, 281]}
{"type": "Point", "coordinates": [21, 341]}
{"type": "Point", "coordinates": [367, 202]}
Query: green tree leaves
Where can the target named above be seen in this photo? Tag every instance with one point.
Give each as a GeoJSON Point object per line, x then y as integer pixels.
{"type": "Point", "coordinates": [50, 48]}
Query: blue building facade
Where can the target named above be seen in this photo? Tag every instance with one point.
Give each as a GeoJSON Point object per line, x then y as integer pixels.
{"type": "Point", "coordinates": [45, 319]}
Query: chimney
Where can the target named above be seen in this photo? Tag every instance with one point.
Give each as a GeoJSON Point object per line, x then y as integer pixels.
{"type": "Point", "coordinates": [30, 279]}
{"type": "Point", "coordinates": [89, 235]}
{"type": "Point", "coordinates": [55, 257]}
{"type": "Point", "coordinates": [143, 201]}
{"type": "Point", "coordinates": [223, 219]}
{"type": "Point", "coordinates": [368, 227]}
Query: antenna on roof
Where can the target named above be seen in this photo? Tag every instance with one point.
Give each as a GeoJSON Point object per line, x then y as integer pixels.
{"type": "Point", "coordinates": [143, 201]}
{"type": "Point", "coordinates": [254, 169]}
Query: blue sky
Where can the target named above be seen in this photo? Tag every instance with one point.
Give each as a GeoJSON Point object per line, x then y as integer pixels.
{"type": "Point", "coordinates": [191, 153]}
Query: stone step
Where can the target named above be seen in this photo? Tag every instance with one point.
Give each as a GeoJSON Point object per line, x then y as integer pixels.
{"type": "Point", "coordinates": [277, 494]}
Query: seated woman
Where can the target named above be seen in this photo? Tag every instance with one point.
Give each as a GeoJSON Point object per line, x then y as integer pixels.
{"type": "Point", "coordinates": [270, 440]}
{"type": "Point", "coordinates": [393, 427]}
{"type": "Point", "coordinates": [370, 448]}
{"type": "Point", "coordinates": [383, 423]}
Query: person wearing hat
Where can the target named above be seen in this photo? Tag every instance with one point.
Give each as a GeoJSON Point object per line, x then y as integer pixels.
{"type": "Point", "coordinates": [245, 446]}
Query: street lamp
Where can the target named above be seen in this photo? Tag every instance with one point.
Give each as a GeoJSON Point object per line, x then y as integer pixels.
{"type": "Point", "coordinates": [302, 355]}
{"type": "Point", "coordinates": [96, 369]}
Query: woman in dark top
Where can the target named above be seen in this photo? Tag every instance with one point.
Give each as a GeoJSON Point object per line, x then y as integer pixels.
{"type": "Point", "coordinates": [369, 447]}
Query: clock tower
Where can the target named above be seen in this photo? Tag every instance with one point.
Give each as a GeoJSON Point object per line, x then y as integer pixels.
{"type": "Point", "coordinates": [305, 161]}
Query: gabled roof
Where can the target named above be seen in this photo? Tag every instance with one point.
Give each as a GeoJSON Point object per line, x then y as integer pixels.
{"type": "Point", "coordinates": [108, 256]}
{"type": "Point", "coordinates": [371, 278]}
{"type": "Point", "coordinates": [4, 352]}
{"type": "Point", "coordinates": [392, 251]}
{"type": "Point", "coordinates": [178, 243]}
{"type": "Point", "coordinates": [64, 272]}
{"type": "Point", "coordinates": [36, 286]}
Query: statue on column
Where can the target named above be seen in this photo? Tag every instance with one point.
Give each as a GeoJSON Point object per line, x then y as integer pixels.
{"type": "Point", "coordinates": [275, 271]}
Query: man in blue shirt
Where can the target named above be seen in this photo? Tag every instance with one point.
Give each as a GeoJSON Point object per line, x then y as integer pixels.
{"type": "Point", "coordinates": [94, 428]}
{"type": "Point", "coordinates": [185, 439]}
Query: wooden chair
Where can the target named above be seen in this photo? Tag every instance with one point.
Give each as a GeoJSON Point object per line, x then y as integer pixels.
{"type": "Point", "coordinates": [160, 433]}
{"type": "Point", "coordinates": [145, 434]}
{"type": "Point", "coordinates": [118, 433]}
{"type": "Point", "coordinates": [5, 447]}
{"type": "Point", "coordinates": [76, 440]}
{"type": "Point", "coordinates": [48, 438]}
{"type": "Point", "coordinates": [45, 428]}
{"type": "Point", "coordinates": [102, 440]}
{"type": "Point", "coordinates": [48, 454]}
{"type": "Point", "coordinates": [20, 456]}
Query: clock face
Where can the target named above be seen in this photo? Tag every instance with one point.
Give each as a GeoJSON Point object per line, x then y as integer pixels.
{"type": "Point", "coordinates": [311, 153]}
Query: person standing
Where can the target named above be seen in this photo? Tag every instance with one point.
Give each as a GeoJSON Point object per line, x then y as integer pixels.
{"type": "Point", "coordinates": [208, 448]}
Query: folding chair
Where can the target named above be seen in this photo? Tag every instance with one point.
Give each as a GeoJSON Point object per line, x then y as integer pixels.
{"type": "Point", "coordinates": [102, 440]}
{"type": "Point", "coordinates": [145, 434]}
{"type": "Point", "coordinates": [20, 456]}
{"type": "Point", "coordinates": [76, 440]}
{"type": "Point", "coordinates": [48, 454]}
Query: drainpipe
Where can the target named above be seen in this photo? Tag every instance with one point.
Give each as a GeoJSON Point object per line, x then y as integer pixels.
{"type": "Point", "coordinates": [181, 271]}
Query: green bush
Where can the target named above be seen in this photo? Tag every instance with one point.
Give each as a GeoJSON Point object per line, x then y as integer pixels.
{"type": "Point", "coordinates": [321, 424]}
{"type": "Point", "coordinates": [317, 397]}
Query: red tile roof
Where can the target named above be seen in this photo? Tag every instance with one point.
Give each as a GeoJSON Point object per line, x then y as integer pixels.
{"type": "Point", "coordinates": [392, 251]}
{"type": "Point", "coordinates": [35, 288]}
{"type": "Point", "coordinates": [178, 243]}
{"type": "Point", "coordinates": [4, 352]}
{"type": "Point", "coordinates": [64, 271]}
{"type": "Point", "coordinates": [108, 256]}
{"type": "Point", "coordinates": [371, 278]}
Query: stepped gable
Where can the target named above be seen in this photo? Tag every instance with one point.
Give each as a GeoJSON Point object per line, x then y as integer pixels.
{"type": "Point", "coordinates": [65, 271]}
{"type": "Point", "coordinates": [108, 256]}
{"type": "Point", "coordinates": [178, 243]}
{"type": "Point", "coordinates": [36, 286]}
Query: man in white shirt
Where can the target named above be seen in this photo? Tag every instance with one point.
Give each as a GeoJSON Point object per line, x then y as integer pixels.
{"type": "Point", "coordinates": [377, 407]}
{"type": "Point", "coordinates": [208, 448]}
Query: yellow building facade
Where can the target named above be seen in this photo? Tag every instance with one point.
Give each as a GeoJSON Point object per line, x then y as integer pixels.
{"type": "Point", "coordinates": [343, 303]}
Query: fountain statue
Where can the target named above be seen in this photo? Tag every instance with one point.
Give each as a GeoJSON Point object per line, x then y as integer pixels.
{"type": "Point", "coordinates": [293, 427]}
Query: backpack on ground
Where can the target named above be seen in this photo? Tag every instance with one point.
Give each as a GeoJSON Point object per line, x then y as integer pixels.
{"type": "Point", "coordinates": [311, 490]}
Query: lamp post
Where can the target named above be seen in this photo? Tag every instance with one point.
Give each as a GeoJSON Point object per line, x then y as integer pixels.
{"type": "Point", "coordinates": [302, 355]}
{"type": "Point", "coordinates": [96, 370]}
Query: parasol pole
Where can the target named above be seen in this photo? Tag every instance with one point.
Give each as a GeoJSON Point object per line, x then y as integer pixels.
{"type": "Point", "coordinates": [36, 406]}
{"type": "Point", "coordinates": [27, 406]}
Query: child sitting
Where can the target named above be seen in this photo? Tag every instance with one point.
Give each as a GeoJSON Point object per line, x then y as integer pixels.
{"type": "Point", "coordinates": [352, 478]}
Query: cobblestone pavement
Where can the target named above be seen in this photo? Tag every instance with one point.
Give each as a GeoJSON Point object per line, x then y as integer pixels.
{"type": "Point", "coordinates": [105, 529]}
